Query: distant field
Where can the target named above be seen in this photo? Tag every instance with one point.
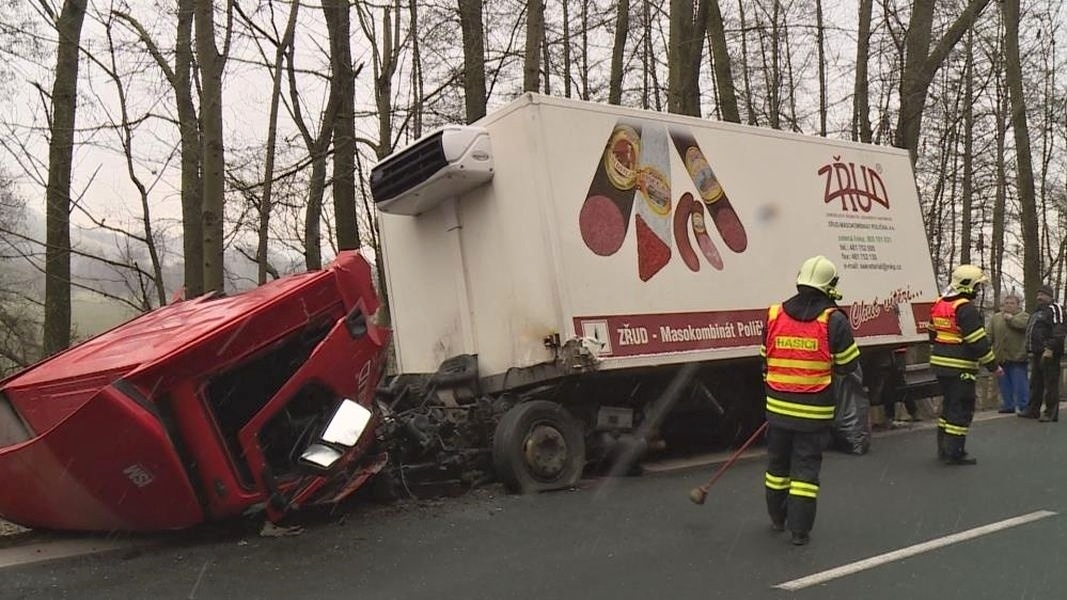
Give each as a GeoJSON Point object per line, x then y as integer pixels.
{"type": "Point", "coordinates": [91, 314]}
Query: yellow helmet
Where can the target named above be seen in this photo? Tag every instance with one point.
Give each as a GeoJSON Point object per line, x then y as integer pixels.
{"type": "Point", "coordinates": [965, 278]}
{"type": "Point", "coordinates": [820, 273]}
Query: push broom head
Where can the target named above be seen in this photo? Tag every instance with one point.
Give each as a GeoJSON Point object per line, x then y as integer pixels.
{"type": "Point", "coordinates": [698, 495]}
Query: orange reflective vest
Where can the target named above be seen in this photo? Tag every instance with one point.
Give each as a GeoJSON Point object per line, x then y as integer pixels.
{"type": "Point", "coordinates": [943, 321]}
{"type": "Point", "coordinates": [798, 352]}
{"type": "Point", "coordinates": [950, 349]}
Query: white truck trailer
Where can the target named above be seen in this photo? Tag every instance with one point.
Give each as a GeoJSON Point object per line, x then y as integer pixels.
{"type": "Point", "coordinates": [551, 268]}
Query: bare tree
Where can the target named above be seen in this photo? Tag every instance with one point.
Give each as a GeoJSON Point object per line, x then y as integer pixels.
{"type": "Point", "coordinates": [567, 67]}
{"type": "Point", "coordinates": [18, 325]}
{"type": "Point", "coordinates": [342, 82]}
{"type": "Point", "coordinates": [60, 153]}
{"type": "Point", "coordinates": [179, 77]}
{"type": "Point", "coordinates": [724, 78]}
{"type": "Point", "coordinates": [921, 64]}
{"type": "Point", "coordinates": [688, 20]}
{"type": "Point", "coordinates": [820, 40]}
{"type": "Point", "coordinates": [282, 46]}
{"type": "Point", "coordinates": [212, 63]}
{"type": "Point", "coordinates": [966, 212]}
{"type": "Point", "coordinates": [618, 48]}
{"type": "Point", "coordinates": [470, 22]}
{"type": "Point", "coordinates": [535, 31]}
{"type": "Point", "coordinates": [1023, 160]}
{"type": "Point", "coordinates": [861, 110]}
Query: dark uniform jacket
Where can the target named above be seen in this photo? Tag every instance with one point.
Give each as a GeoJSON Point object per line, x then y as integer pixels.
{"type": "Point", "coordinates": [1045, 330]}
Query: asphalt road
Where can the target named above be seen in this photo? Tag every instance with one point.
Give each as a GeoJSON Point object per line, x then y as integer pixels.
{"type": "Point", "coordinates": [642, 538]}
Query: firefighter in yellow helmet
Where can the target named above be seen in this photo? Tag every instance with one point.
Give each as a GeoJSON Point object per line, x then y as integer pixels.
{"type": "Point", "coordinates": [806, 340]}
{"type": "Point", "coordinates": [960, 347]}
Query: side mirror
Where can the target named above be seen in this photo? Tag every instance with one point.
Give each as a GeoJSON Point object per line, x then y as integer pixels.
{"type": "Point", "coordinates": [343, 431]}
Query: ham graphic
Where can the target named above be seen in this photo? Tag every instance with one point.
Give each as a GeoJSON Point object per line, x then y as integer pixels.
{"type": "Point", "coordinates": [652, 253]}
{"type": "Point", "coordinates": [654, 199]}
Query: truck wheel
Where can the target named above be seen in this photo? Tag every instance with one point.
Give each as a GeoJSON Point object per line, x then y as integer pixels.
{"type": "Point", "coordinates": [538, 446]}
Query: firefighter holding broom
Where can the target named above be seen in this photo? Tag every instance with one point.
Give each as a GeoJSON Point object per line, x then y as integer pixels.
{"type": "Point", "coordinates": [807, 339]}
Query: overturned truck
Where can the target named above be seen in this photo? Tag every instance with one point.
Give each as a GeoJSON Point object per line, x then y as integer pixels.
{"type": "Point", "coordinates": [200, 410]}
{"type": "Point", "coordinates": [571, 283]}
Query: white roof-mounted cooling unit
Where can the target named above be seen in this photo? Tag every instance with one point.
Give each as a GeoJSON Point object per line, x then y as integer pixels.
{"type": "Point", "coordinates": [443, 164]}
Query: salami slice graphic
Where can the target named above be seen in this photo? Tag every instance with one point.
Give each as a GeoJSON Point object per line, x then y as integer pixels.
{"type": "Point", "coordinates": [681, 232]}
{"type": "Point", "coordinates": [722, 213]}
{"type": "Point", "coordinates": [700, 231]}
{"type": "Point", "coordinates": [605, 216]}
{"type": "Point", "coordinates": [652, 253]}
{"type": "Point", "coordinates": [602, 224]}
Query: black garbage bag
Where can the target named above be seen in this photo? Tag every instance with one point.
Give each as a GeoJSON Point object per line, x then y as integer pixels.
{"type": "Point", "coordinates": [852, 433]}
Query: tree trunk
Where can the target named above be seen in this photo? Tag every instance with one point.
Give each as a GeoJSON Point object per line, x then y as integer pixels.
{"type": "Point", "coordinates": [317, 150]}
{"type": "Point", "coordinates": [535, 30]}
{"type": "Point", "coordinates": [820, 36]}
{"type": "Point", "coordinates": [568, 71]}
{"type": "Point", "coordinates": [417, 93]}
{"type": "Point", "coordinates": [749, 105]}
{"type": "Point", "coordinates": [192, 157]}
{"type": "Point", "coordinates": [775, 92]}
{"type": "Point", "coordinates": [342, 81]}
{"type": "Point", "coordinates": [1000, 200]}
{"type": "Point", "coordinates": [188, 125]}
{"type": "Point", "coordinates": [211, 63]}
{"type": "Point", "coordinates": [921, 64]}
{"type": "Point", "coordinates": [585, 49]}
{"type": "Point", "coordinates": [60, 157]}
{"type": "Point", "coordinates": [688, 22]}
{"type": "Point", "coordinates": [1023, 159]}
{"type": "Point", "coordinates": [272, 134]}
{"type": "Point", "coordinates": [622, 25]}
{"type": "Point", "coordinates": [861, 110]}
{"type": "Point", "coordinates": [724, 78]}
{"type": "Point", "coordinates": [546, 58]}
{"type": "Point", "coordinates": [968, 153]}
{"type": "Point", "coordinates": [470, 21]}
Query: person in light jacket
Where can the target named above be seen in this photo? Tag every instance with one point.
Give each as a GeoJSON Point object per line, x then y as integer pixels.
{"type": "Point", "coordinates": [1007, 333]}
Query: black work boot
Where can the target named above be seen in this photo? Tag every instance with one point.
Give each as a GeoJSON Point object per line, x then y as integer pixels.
{"type": "Point", "coordinates": [941, 454]}
{"type": "Point", "coordinates": [801, 538]}
{"type": "Point", "coordinates": [961, 460]}
{"type": "Point", "coordinates": [778, 525]}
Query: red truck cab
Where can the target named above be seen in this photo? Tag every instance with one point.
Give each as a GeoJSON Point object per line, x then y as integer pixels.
{"type": "Point", "coordinates": [201, 410]}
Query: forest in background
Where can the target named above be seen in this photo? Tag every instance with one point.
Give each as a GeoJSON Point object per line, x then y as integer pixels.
{"type": "Point", "coordinates": [150, 149]}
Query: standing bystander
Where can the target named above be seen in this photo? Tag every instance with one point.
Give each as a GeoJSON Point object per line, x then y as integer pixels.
{"type": "Point", "coordinates": [1007, 333]}
{"type": "Point", "coordinates": [1044, 342]}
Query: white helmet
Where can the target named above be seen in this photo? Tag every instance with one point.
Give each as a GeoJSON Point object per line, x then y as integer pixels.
{"type": "Point", "coordinates": [820, 273]}
{"type": "Point", "coordinates": [965, 278]}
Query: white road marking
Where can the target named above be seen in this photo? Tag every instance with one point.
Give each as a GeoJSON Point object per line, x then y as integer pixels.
{"type": "Point", "coordinates": [888, 557]}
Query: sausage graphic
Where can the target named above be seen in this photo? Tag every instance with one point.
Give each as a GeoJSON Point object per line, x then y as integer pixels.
{"type": "Point", "coordinates": [605, 216]}
{"type": "Point", "coordinates": [700, 231]}
{"type": "Point", "coordinates": [682, 214]}
{"type": "Point", "coordinates": [720, 210]}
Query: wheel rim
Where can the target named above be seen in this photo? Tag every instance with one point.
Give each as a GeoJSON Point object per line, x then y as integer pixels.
{"type": "Point", "coordinates": [545, 451]}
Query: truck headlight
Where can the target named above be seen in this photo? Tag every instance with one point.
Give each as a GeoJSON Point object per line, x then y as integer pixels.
{"type": "Point", "coordinates": [342, 432]}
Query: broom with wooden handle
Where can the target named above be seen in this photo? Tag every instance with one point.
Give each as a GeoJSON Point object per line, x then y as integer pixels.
{"type": "Point", "coordinates": [699, 494]}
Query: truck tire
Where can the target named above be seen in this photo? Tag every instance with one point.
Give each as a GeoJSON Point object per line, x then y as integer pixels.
{"type": "Point", "coordinates": [538, 446]}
